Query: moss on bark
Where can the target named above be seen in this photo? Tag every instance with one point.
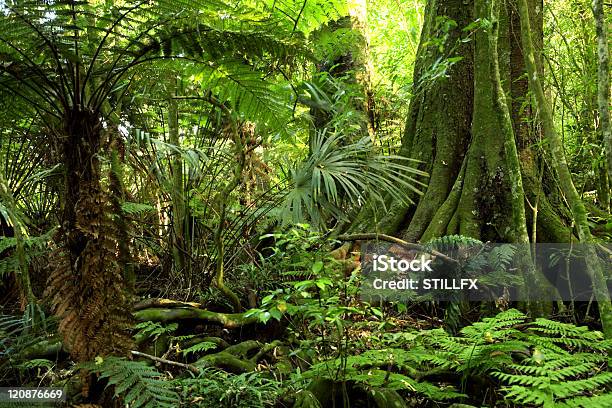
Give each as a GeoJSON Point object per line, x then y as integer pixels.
{"type": "Point", "coordinates": [227, 320]}
{"type": "Point", "coordinates": [454, 129]}
{"type": "Point", "coordinates": [600, 288]}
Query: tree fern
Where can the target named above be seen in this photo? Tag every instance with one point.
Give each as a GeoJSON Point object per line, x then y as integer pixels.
{"type": "Point", "coordinates": [139, 384]}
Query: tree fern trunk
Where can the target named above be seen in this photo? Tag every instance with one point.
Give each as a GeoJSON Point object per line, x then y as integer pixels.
{"type": "Point", "coordinates": [86, 284]}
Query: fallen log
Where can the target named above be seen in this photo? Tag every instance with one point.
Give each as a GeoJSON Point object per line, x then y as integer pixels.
{"type": "Point", "coordinates": [227, 320]}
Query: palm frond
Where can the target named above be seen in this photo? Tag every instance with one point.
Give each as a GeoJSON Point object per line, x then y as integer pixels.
{"type": "Point", "coordinates": [339, 174]}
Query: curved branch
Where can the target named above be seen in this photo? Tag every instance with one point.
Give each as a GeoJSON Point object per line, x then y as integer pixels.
{"type": "Point", "coordinates": [189, 367]}
{"type": "Point", "coordinates": [388, 238]}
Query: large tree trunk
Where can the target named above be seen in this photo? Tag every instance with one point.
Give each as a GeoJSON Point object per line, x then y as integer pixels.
{"type": "Point", "coordinates": [454, 128]}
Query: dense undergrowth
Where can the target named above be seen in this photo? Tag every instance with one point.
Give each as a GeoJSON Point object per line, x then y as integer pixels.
{"type": "Point", "coordinates": [312, 342]}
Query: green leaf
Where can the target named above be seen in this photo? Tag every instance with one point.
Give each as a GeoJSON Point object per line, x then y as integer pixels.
{"type": "Point", "coordinates": [317, 267]}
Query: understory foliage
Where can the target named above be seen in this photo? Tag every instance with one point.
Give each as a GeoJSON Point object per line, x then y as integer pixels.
{"type": "Point", "coordinates": [139, 384]}
{"type": "Point", "coordinates": [525, 361]}
{"type": "Point", "coordinates": [544, 363]}
{"type": "Point", "coordinates": [218, 388]}
{"type": "Point", "coordinates": [340, 348]}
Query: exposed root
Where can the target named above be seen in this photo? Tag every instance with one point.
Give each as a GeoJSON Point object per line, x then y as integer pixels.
{"type": "Point", "coordinates": [235, 358]}
{"type": "Point", "coordinates": [227, 362]}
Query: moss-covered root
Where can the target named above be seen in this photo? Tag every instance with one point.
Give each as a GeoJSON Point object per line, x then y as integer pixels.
{"type": "Point", "coordinates": [227, 320]}
{"type": "Point", "coordinates": [319, 393]}
{"type": "Point", "coordinates": [385, 398]}
{"type": "Point", "coordinates": [227, 362]}
{"type": "Point", "coordinates": [48, 348]}
{"type": "Point", "coordinates": [306, 399]}
{"type": "Point", "coordinates": [236, 358]}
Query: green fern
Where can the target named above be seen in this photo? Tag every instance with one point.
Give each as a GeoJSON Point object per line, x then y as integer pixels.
{"type": "Point", "coordinates": [540, 362]}
{"type": "Point", "coordinates": [568, 367]}
{"type": "Point", "coordinates": [199, 347]}
{"type": "Point", "coordinates": [549, 378]}
{"type": "Point", "coordinates": [216, 388]}
{"type": "Point", "coordinates": [135, 208]}
{"type": "Point", "coordinates": [449, 243]}
{"type": "Point", "coordinates": [136, 382]}
{"type": "Point", "coordinates": [376, 368]}
{"type": "Point", "coordinates": [33, 247]}
{"type": "Point", "coordinates": [153, 330]}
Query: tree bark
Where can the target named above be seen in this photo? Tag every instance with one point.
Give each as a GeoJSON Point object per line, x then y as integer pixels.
{"type": "Point", "coordinates": [438, 128]}
{"type": "Point", "coordinates": [600, 288]}
{"type": "Point", "coordinates": [86, 284]}
{"type": "Point", "coordinates": [603, 86]}
{"type": "Point", "coordinates": [454, 128]}
{"type": "Point", "coordinates": [517, 193]}
{"type": "Point", "coordinates": [177, 192]}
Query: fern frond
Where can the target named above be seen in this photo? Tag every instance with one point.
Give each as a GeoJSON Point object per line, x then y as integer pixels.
{"type": "Point", "coordinates": [597, 401]}
{"type": "Point", "coordinates": [136, 382]}
{"type": "Point", "coordinates": [199, 347]}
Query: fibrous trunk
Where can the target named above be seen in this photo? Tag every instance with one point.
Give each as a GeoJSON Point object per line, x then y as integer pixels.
{"type": "Point", "coordinates": [86, 285]}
